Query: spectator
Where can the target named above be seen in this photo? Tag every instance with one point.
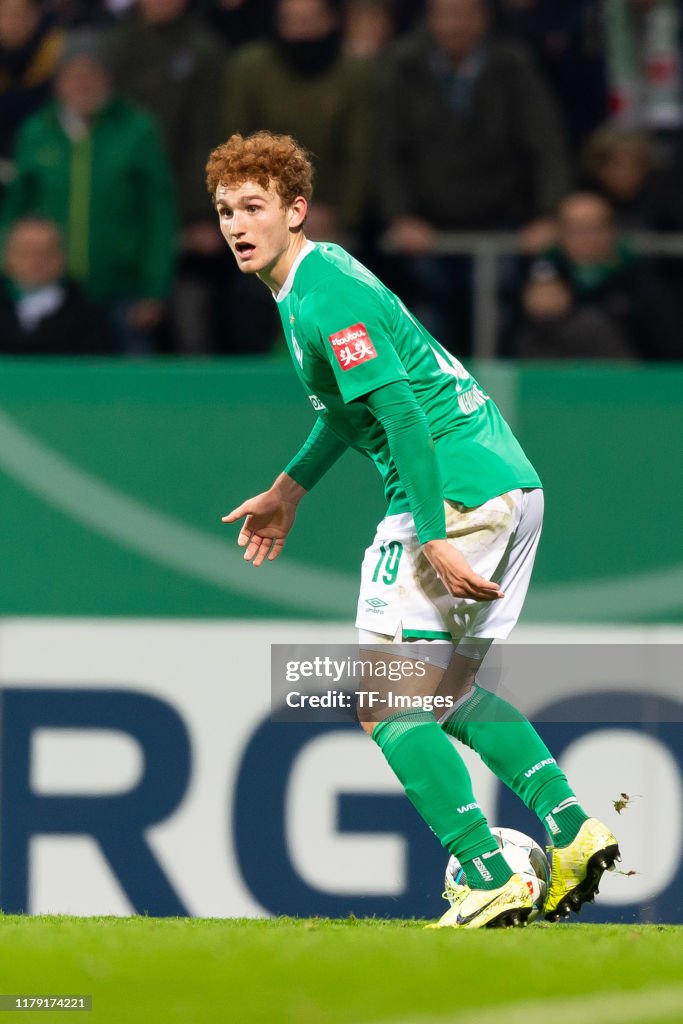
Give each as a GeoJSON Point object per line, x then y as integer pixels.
{"type": "Point", "coordinates": [555, 327]}
{"type": "Point", "coordinates": [368, 27]}
{"type": "Point", "coordinates": [568, 42]}
{"type": "Point", "coordinates": [645, 76]}
{"type": "Point", "coordinates": [635, 176]}
{"type": "Point", "coordinates": [301, 83]}
{"type": "Point", "coordinates": [628, 170]}
{"type": "Point", "coordinates": [29, 48]}
{"type": "Point", "coordinates": [239, 21]}
{"type": "Point", "coordinates": [164, 59]}
{"type": "Point", "coordinates": [606, 275]}
{"type": "Point", "coordinates": [41, 311]}
{"type": "Point", "coordinates": [94, 164]}
{"type": "Point", "coordinates": [73, 14]}
{"type": "Point", "coordinates": [468, 138]}
{"type": "Point", "coordinates": [408, 12]}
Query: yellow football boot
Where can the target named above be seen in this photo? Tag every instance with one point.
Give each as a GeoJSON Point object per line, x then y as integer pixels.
{"type": "Point", "coordinates": [506, 907]}
{"type": "Point", "coordinates": [576, 869]}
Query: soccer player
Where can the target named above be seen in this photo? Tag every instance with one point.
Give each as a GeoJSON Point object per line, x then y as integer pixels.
{"type": "Point", "coordinates": [453, 557]}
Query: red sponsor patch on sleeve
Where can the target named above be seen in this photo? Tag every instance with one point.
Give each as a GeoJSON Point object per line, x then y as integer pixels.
{"type": "Point", "coordinates": [352, 346]}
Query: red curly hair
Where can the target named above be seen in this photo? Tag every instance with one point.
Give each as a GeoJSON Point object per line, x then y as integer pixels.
{"type": "Point", "coordinates": [264, 158]}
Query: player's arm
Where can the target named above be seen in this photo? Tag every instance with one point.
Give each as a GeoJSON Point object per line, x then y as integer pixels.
{"type": "Point", "coordinates": [319, 452]}
{"type": "Point", "coordinates": [412, 449]}
{"type": "Point", "coordinates": [270, 515]}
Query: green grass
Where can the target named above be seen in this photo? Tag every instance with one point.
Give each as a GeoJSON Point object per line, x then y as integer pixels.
{"type": "Point", "coordinates": [290, 971]}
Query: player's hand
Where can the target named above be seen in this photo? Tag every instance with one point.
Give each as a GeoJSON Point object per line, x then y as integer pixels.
{"type": "Point", "coordinates": [457, 575]}
{"type": "Point", "coordinates": [269, 518]}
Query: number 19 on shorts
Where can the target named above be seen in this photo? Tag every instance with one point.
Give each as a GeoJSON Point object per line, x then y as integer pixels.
{"type": "Point", "coordinates": [386, 569]}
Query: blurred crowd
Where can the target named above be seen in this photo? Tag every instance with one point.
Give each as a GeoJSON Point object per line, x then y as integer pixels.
{"type": "Point", "coordinates": [559, 123]}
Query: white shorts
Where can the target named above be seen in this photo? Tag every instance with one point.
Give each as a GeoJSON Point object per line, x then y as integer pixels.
{"type": "Point", "coordinates": [402, 597]}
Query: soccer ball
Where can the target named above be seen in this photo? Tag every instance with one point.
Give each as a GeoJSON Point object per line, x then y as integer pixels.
{"type": "Point", "coordinates": [524, 856]}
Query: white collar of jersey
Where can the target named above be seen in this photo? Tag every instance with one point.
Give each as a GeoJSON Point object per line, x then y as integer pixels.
{"type": "Point", "coordinates": [289, 280]}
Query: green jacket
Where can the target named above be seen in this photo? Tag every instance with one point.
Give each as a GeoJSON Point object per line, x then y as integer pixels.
{"type": "Point", "coordinates": [111, 193]}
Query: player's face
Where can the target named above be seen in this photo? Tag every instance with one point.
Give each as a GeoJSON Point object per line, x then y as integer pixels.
{"type": "Point", "coordinates": [256, 225]}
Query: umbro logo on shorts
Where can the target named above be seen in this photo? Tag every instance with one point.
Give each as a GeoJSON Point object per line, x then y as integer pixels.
{"type": "Point", "coordinates": [376, 602]}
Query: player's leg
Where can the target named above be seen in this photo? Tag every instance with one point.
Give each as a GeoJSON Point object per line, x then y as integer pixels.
{"type": "Point", "coordinates": [437, 783]}
{"type": "Point", "coordinates": [508, 743]}
{"type": "Point", "coordinates": [429, 767]}
{"type": "Point", "coordinates": [510, 746]}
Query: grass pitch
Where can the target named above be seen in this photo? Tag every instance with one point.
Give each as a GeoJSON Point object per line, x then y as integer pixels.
{"type": "Point", "coordinates": [289, 971]}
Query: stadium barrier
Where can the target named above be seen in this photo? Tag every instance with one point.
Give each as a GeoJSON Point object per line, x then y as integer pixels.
{"type": "Point", "coordinates": [139, 767]}
{"type": "Point", "coordinates": [486, 250]}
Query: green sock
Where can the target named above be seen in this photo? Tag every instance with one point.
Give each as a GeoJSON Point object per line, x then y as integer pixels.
{"type": "Point", "coordinates": [510, 746]}
{"type": "Point", "coordinates": [438, 785]}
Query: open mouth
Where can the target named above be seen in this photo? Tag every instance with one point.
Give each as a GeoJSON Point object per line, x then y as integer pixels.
{"type": "Point", "coordinates": [244, 249]}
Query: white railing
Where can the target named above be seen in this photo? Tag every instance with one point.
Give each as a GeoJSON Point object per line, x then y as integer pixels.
{"type": "Point", "coordinates": [486, 249]}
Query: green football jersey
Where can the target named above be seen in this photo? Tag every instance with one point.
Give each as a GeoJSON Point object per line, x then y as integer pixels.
{"type": "Point", "coordinates": [349, 335]}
